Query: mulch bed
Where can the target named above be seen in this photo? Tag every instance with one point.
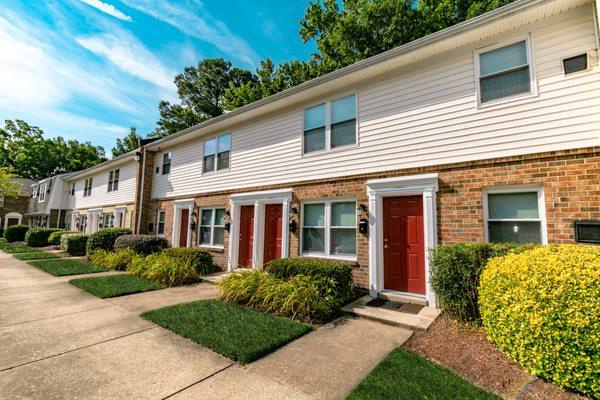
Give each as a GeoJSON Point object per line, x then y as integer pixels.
{"type": "Point", "coordinates": [466, 351]}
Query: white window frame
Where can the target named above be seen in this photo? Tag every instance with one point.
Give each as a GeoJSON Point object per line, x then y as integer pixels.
{"type": "Point", "coordinates": [1, 200]}
{"type": "Point", "coordinates": [42, 192]}
{"type": "Point", "coordinates": [87, 191]}
{"type": "Point", "coordinates": [328, 123]}
{"type": "Point", "coordinates": [533, 90]}
{"type": "Point", "coordinates": [158, 222]}
{"type": "Point", "coordinates": [217, 137]}
{"type": "Point", "coordinates": [162, 166]}
{"type": "Point", "coordinates": [516, 189]}
{"type": "Point", "coordinates": [72, 191]}
{"type": "Point", "coordinates": [212, 227]}
{"type": "Point", "coordinates": [114, 182]}
{"type": "Point", "coordinates": [327, 228]}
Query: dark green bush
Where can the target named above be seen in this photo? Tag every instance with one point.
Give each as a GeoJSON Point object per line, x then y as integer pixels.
{"type": "Point", "coordinates": [1, 232]}
{"type": "Point", "coordinates": [15, 233]}
{"type": "Point", "coordinates": [104, 239]}
{"type": "Point", "coordinates": [74, 243]}
{"type": "Point", "coordinates": [455, 273]}
{"type": "Point", "coordinates": [141, 244]}
{"type": "Point", "coordinates": [38, 237]}
{"type": "Point", "coordinates": [339, 272]}
{"type": "Point", "coordinates": [54, 238]}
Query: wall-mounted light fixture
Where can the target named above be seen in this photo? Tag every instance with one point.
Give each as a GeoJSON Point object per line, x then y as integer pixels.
{"type": "Point", "coordinates": [138, 156]}
{"type": "Point", "coordinates": [361, 208]}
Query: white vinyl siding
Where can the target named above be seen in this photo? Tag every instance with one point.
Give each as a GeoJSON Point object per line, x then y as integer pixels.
{"type": "Point", "coordinates": [100, 196]}
{"type": "Point", "coordinates": [423, 115]}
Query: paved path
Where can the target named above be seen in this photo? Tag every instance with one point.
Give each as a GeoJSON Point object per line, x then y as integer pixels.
{"type": "Point", "coordinates": [58, 342]}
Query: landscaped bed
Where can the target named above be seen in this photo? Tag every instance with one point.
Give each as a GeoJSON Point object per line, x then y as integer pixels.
{"type": "Point", "coordinates": [62, 267]}
{"type": "Point", "coordinates": [115, 285]}
{"type": "Point", "coordinates": [406, 375]}
{"type": "Point", "coordinates": [237, 332]}
{"type": "Point", "coordinates": [35, 255]}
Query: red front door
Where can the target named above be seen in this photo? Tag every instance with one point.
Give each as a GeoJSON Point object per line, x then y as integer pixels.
{"type": "Point", "coordinates": [246, 236]}
{"type": "Point", "coordinates": [403, 244]}
{"type": "Point", "coordinates": [183, 227]}
{"type": "Point", "coordinates": [273, 218]}
{"type": "Point", "coordinates": [12, 221]}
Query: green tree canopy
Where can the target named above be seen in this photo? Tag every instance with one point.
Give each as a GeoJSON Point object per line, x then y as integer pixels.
{"type": "Point", "coordinates": [127, 144]}
{"type": "Point", "coordinates": [8, 187]}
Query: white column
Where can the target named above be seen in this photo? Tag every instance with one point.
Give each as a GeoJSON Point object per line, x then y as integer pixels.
{"type": "Point", "coordinates": [233, 236]}
{"type": "Point", "coordinates": [430, 225]}
{"type": "Point", "coordinates": [285, 231]}
{"type": "Point", "coordinates": [374, 266]}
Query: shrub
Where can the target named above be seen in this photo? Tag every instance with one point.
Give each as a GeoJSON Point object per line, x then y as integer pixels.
{"type": "Point", "coordinates": [301, 297]}
{"type": "Point", "coordinates": [74, 243]}
{"type": "Point", "coordinates": [114, 260]}
{"type": "Point", "coordinates": [54, 238]}
{"type": "Point", "coordinates": [1, 232]}
{"type": "Point", "coordinates": [455, 272]}
{"type": "Point", "coordinates": [339, 272]}
{"type": "Point", "coordinates": [173, 267]}
{"type": "Point", "coordinates": [38, 237]}
{"type": "Point", "coordinates": [105, 239]}
{"type": "Point", "coordinates": [541, 308]}
{"type": "Point", "coordinates": [15, 233]}
{"type": "Point", "coordinates": [141, 244]}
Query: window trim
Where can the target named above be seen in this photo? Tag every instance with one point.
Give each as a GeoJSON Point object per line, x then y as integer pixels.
{"type": "Point", "coordinates": [581, 53]}
{"type": "Point", "coordinates": [216, 170]}
{"type": "Point", "coordinates": [158, 222]}
{"type": "Point", "coordinates": [328, 122]}
{"type": "Point", "coordinates": [327, 227]}
{"type": "Point", "coordinates": [162, 167]}
{"type": "Point", "coordinates": [111, 183]}
{"type": "Point", "coordinates": [87, 192]}
{"type": "Point", "coordinates": [72, 190]}
{"type": "Point", "coordinates": [533, 89]}
{"type": "Point", "coordinates": [516, 189]}
{"type": "Point", "coordinates": [42, 193]}
{"type": "Point", "coordinates": [212, 227]}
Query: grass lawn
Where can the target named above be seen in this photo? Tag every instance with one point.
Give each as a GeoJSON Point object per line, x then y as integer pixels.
{"type": "Point", "coordinates": [237, 332]}
{"type": "Point", "coordinates": [406, 375]}
{"type": "Point", "coordinates": [61, 267]}
{"type": "Point", "coordinates": [114, 285]}
{"type": "Point", "coordinates": [16, 248]}
{"type": "Point", "coordinates": [35, 255]}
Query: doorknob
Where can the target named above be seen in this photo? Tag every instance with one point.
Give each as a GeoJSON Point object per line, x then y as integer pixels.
{"type": "Point", "coordinates": [385, 246]}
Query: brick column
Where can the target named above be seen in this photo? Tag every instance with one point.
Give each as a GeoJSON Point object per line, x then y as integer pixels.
{"type": "Point", "coordinates": [143, 191]}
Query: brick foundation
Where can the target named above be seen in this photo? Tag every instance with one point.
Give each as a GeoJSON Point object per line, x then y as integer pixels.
{"type": "Point", "coordinates": [571, 182]}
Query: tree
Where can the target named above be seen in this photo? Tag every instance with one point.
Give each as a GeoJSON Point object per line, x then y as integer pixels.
{"type": "Point", "coordinates": [8, 187]}
{"type": "Point", "coordinates": [127, 144]}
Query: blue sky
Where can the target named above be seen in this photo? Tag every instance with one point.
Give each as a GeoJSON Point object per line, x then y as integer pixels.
{"type": "Point", "coordinates": [90, 69]}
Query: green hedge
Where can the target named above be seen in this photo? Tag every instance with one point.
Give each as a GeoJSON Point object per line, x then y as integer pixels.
{"type": "Point", "coordinates": [339, 272]}
{"type": "Point", "coordinates": [455, 272]}
{"type": "Point", "coordinates": [54, 238]}
{"type": "Point", "coordinates": [141, 244]}
{"type": "Point", "coordinates": [542, 308]}
{"type": "Point", "coordinates": [105, 239]}
{"type": "Point", "coordinates": [15, 233]}
{"type": "Point", "coordinates": [38, 237]}
{"type": "Point", "coordinates": [74, 243]}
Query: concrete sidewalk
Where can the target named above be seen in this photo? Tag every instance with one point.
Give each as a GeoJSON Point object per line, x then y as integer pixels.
{"type": "Point", "coordinates": [58, 342]}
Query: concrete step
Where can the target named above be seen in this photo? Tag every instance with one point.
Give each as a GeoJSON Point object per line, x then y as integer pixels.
{"type": "Point", "coordinates": [412, 319]}
{"type": "Point", "coordinates": [402, 298]}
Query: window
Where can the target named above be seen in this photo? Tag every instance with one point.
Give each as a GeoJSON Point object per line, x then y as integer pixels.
{"type": "Point", "coordinates": [113, 180]}
{"type": "Point", "coordinates": [1, 200]}
{"type": "Point", "coordinates": [109, 220]}
{"type": "Point", "coordinates": [329, 229]}
{"type": "Point", "coordinates": [42, 193]}
{"type": "Point", "coordinates": [216, 153]}
{"type": "Point", "coordinates": [72, 191]}
{"type": "Point", "coordinates": [160, 223]}
{"type": "Point", "coordinates": [515, 216]}
{"type": "Point", "coordinates": [87, 188]}
{"type": "Point", "coordinates": [166, 165]}
{"type": "Point", "coordinates": [504, 72]}
{"type": "Point", "coordinates": [575, 64]}
{"type": "Point", "coordinates": [330, 125]}
{"type": "Point", "coordinates": [83, 223]}
{"type": "Point", "coordinates": [212, 227]}
{"type": "Point", "coordinates": [34, 193]}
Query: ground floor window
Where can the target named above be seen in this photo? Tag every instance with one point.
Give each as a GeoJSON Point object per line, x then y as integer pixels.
{"type": "Point", "coordinates": [108, 220]}
{"type": "Point", "coordinates": [515, 215]}
{"type": "Point", "coordinates": [83, 223]}
{"type": "Point", "coordinates": [329, 229]}
{"type": "Point", "coordinates": [160, 223]}
{"type": "Point", "coordinates": [212, 227]}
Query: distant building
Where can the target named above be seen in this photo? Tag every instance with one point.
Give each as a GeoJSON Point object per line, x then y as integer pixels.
{"type": "Point", "coordinates": [14, 208]}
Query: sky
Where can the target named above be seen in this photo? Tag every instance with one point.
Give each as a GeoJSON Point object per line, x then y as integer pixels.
{"type": "Point", "coordinates": [90, 69]}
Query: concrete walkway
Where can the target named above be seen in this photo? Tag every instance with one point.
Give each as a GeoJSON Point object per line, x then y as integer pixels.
{"type": "Point", "coordinates": [59, 342]}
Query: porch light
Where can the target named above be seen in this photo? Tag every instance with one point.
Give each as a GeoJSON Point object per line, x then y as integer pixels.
{"type": "Point", "coordinates": [293, 226]}
{"type": "Point", "coordinates": [227, 226]}
{"type": "Point", "coordinates": [361, 208]}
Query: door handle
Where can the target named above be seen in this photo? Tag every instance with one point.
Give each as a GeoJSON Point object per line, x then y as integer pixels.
{"type": "Point", "coordinates": [385, 246]}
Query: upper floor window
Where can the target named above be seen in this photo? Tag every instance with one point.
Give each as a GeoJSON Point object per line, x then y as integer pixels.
{"type": "Point", "coordinates": [42, 192]}
{"type": "Point", "coordinates": [329, 229]}
{"type": "Point", "coordinates": [330, 125]}
{"type": "Point", "coordinates": [87, 188]}
{"type": "Point", "coordinates": [166, 165]}
{"type": "Point", "coordinates": [216, 153]}
{"type": "Point", "coordinates": [515, 215]}
{"type": "Point", "coordinates": [505, 71]}
{"type": "Point", "coordinates": [212, 227]}
{"type": "Point", "coordinates": [34, 192]}
{"type": "Point", "coordinates": [160, 223]}
{"type": "Point", "coordinates": [72, 191]}
{"type": "Point", "coordinates": [1, 200]}
{"type": "Point", "coordinates": [113, 180]}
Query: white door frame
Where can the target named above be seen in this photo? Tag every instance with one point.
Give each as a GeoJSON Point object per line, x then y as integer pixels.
{"type": "Point", "coordinates": [258, 200]}
{"type": "Point", "coordinates": [425, 185]}
{"type": "Point", "coordinates": [93, 220]}
{"type": "Point", "coordinates": [12, 214]}
{"type": "Point", "coordinates": [119, 216]}
{"type": "Point", "coordinates": [179, 205]}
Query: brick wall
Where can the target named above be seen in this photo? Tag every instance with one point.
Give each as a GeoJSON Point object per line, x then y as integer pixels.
{"type": "Point", "coordinates": [14, 204]}
{"type": "Point", "coordinates": [571, 181]}
{"type": "Point", "coordinates": [148, 172]}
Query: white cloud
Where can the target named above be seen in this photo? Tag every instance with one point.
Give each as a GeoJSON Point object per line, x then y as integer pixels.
{"type": "Point", "coordinates": [108, 9]}
{"type": "Point", "coordinates": [127, 54]}
{"type": "Point", "coordinates": [192, 18]}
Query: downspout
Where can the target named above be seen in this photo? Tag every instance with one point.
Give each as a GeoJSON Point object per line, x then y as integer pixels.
{"type": "Point", "coordinates": [59, 204]}
{"type": "Point", "coordinates": [141, 198]}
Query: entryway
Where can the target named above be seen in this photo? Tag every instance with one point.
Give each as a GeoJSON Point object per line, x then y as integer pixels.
{"type": "Point", "coordinates": [184, 221]}
{"type": "Point", "coordinates": [182, 234]}
{"type": "Point", "coordinates": [246, 236]}
{"type": "Point", "coordinates": [273, 228]}
{"type": "Point", "coordinates": [12, 218]}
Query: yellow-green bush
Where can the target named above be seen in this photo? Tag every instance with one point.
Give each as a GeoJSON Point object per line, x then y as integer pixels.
{"type": "Point", "coordinates": [542, 308]}
{"type": "Point", "coordinates": [117, 261]}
